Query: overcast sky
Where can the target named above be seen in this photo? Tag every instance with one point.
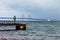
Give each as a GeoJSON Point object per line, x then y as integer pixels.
{"type": "Point", "coordinates": [43, 9]}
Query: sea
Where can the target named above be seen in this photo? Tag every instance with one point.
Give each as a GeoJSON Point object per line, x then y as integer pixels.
{"type": "Point", "coordinates": [35, 30]}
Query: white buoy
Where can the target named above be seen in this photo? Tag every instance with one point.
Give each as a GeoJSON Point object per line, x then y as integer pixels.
{"type": "Point", "coordinates": [49, 20]}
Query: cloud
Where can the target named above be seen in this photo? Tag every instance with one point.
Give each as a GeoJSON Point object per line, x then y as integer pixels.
{"type": "Point", "coordinates": [42, 8]}
{"type": "Point", "coordinates": [39, 3]}
{"type": "Point", "coordinates": [5, 10]}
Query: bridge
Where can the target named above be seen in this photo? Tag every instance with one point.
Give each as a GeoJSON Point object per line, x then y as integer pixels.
{"type": "Point", "coordinates": [18, 22]}
{"type": "Point", "coordinates": [26, 19]}
{"type": "Point", "coordinates": [10, 20]}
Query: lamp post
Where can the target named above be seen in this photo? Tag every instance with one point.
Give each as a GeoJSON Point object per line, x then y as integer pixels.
{"type": "Point", "coordinates": [14, 18]}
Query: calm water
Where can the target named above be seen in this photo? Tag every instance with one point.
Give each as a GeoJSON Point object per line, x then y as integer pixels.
{"type": "Point", "coordinates": [49, 30]}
